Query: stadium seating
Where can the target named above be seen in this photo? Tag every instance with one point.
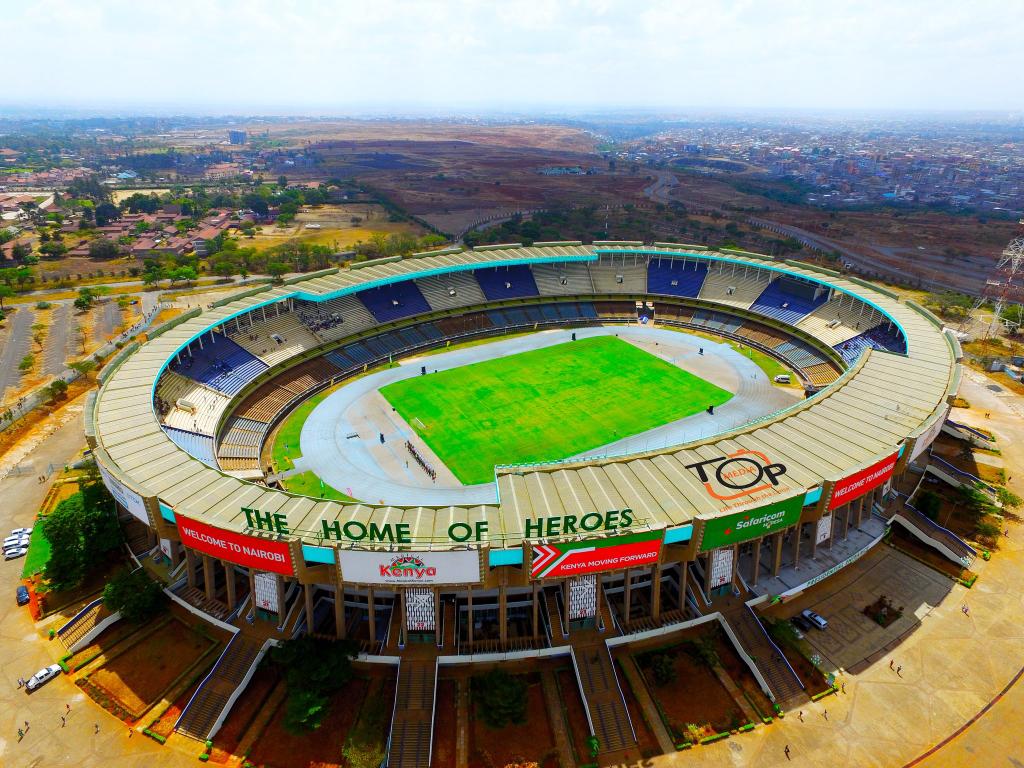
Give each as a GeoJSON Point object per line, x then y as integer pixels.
{"type": "Point", "coordinates": [606, 278]}
{"type": "Point", "coordinates": [839, 319]}
{"type": "Point", "coordinates": [197, 446]}
{"type": "Point", "coordinates": [570, 279]}
{"type": "Point", "coordinates": [457, 289]}
{"type": "Point", "coordinates": [734, 284]}
{"type": "Point", "coordinates": [277, 339]}
{"type": "Point", "coordinates": [676, 277]}
{"type": "Point", "coordinates": [335, 318]}
{"type": "Point", "coordinates": [882, 337]}
{"type": "Point", "coordinates": [500, 283]}
{"type": "Point", "coordinates": [220, 363]}
{"type": "Point", "coordinates": [780, 302]}
{"type": "Point", "coordinates": [395, 301]}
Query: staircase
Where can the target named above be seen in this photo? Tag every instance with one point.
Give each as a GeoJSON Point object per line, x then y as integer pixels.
{"type": "Point", "coordinates": [604, 698]}
{"type": "Point", "coordinates": [781, 679]}
{"type": "Point", "coordinates": [941, 539]}
{"type": "Point", "coordinates": [82, 624]}
{"type": "Point", "coordinates": [209, 699]}
{"type": "Point", "coordinates": [409, 745]}
{"type": "Point", "coordinates": [554, 619]}
{"type": "Point", "coordinates": [198, 599]}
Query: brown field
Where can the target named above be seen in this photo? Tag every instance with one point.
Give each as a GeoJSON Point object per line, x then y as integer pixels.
{"type": "Point", "coordinates": [575, 715]}
{"type": "Point", "coordinates": [244, 712]}
{"type": "Point", "coordinates": [333, 226]}
{"type": "Point", "coordinates": [140, 675]}
{"type": "Point", "coordinates": [277, 748]}
{"type": "Point", "coordinates": [532, 740]}
{"type": "Point", "coordinates": [445, 725]}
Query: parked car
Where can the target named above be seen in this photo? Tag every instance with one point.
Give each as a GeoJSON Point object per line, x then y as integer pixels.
{"type": "Point", "coordinates": [801, 623]}
{"type": "Point", "coordinates": [12, 540]}
{"type": "Point", "coordinates": [781, 378]}
{"type": "Point", "coordinates": [14, 554]}
{"type": "Point", "coordinates": [21, 595]}
{"type": "Point", "coordinates": [816, 619]}
{"type": "Point", "coordinates": [42, 677]}
{"type": "Point", "coordinates": [21, 532]}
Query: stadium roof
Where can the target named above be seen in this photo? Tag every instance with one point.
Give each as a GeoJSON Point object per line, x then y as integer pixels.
{"type": "Point", "coordinates": [876, 405]}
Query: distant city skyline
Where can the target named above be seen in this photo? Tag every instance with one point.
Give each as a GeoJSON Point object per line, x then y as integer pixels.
{"type": "Point", "coordinates": [437, 57]}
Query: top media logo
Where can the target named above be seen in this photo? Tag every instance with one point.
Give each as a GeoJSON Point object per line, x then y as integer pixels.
{"type": "Point", "coordinates": [741, 473]}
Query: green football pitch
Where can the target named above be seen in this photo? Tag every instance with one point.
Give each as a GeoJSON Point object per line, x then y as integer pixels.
{"type": "Point", "coordinates": [546, 404]}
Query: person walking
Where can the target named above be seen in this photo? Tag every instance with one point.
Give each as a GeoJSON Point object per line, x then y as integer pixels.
{"type": "Point", "coordinates": [63, 721]}
{"type": "Point", "coordinates": [891, 663]}
{"type": "Point", "coordinates": [801, 715]}
{"type": "Point", "coordinates": [786, 750]}
{"type": "Point", "coordinates": [899, 670]}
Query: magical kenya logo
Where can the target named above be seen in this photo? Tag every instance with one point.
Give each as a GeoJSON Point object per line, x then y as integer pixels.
{"type": "Point", "coordinates": [407, 567]}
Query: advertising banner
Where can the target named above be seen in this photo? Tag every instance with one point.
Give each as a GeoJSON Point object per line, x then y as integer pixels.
{"type": "Point", "coordinates": [751, 523]}
{"type": "Point", "coordinates": [721, 568]}
{"type": "Point", "coordinates": [252, 552]}
{"type": "Point", "coordinates": [824, 529]}
{"type": "Point", "coordinates": [926, 438]}
{"type": "Point", "coordinates": [856, 485]}
{"type": "Point", "coordinates": [460, 566]}
{"type": "Point", "coordinates": [742, 478]}
{"type": "Point", "coordinates": [124, 495]}
{"type": "Point", "coordinates": [582, 597]}
{"type": "Point", "coordinates": [266, 592]}
{"type": "Point", "coordinates": [419, 610]}
{"type": "Point", "coordinates": [575, 558]}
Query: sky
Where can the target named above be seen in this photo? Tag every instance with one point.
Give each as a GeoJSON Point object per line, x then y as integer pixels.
{"type": "Point", "coordinates": [449, 56]}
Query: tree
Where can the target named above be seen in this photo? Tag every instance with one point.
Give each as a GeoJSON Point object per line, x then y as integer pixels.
{"type": "Point", "coordinates": [5, 293]}
{"type": "Point", "coordinates": [106, 213]}
{"type": "Point", "coordinates": [103, 248]}
{"type": "Point", "coordinates": [929, 503]}
{"type": "Point", "coordinates": [153, 274]}
{"type": "Point", "coordinates": [663, 669]}
{"type": "Point", "coordinates": [313, 670]}
{"type": "Point", "coordinates": [1008, 498]}
{"type": "Point", "coordinates": [186, 274]}
{"type": "Point", "coordinates": [85, 298]}
{"type": "Point", "coordinates": [276, 269]}
{"type": "Point", "coordinates": [56, 390]}
{"type": "Point", "coordinates": [81, 531]}
{"type": "Point", "coordinates": [135, 595]}
{"type": "Point", "coordinates": [19, 251]}
{"type": "Point", "coordinates": [53, 249]}
{"type": "Point", "coordinates": [282, 181]}
{"type": "Point", "coordinates": [500, 698]}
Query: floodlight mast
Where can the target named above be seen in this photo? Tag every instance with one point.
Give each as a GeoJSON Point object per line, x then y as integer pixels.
{"type": "Point", "coordinates": [1003, 289]}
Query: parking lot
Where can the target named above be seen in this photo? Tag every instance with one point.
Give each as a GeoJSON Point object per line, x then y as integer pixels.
{"type": "Point", "coordinates": [851, 637]}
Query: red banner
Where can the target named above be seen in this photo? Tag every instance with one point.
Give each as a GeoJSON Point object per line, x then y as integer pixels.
{"type": "Point", "coordinates": [552, 561]}
{"type": "Point", "coordinates": [855, 486]}
{"type": "Point", "coordinates": [252, 552]}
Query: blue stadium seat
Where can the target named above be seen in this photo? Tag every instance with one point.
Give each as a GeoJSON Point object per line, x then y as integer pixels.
{"type": "Point", "coordinates": [395, 301]}
{"type": "Point", "coordinates": [221, 364]}
{"type": "Point", "coordinates": [197, 446]}
{"type": "Point", "coordinates": [507, 282]}
{"type": "Point", "coordinates": [783, 304]}
{"type": "Point", "coordinates": [880, 337]}
{"type": "Point", "coordinates": [676, 277]}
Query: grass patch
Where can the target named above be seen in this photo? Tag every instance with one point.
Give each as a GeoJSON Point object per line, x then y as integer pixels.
{"type": "Point", "coordinates": [38, 552]}
{"type": "Point", "coordinates": [309, 484]}
{"type": "Point", "coordinates": [546, 404]}
{"type": "Point", "coordinates": [766, 363]}
{"type": "Point", "coordinates": [286, 442]}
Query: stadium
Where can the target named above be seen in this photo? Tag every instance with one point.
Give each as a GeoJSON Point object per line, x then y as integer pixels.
{"type": "Point", "coordinates": [502, 453]}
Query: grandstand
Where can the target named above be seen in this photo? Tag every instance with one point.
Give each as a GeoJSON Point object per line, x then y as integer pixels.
{"type": "Point", "coordinates": [335, 318]}
{"type": "Point", "coordinates": [736, 285]}
{"type": "Point", "coordinates": [569, 279]}
{"type": "Point", "coordinates": [839, 319]}
{"type": "Point", "coordinates": [789, 300]}
{"type": "Point", "coordinates": [277, 339]}
{"type": "Point", "coordinates": [500, 283]}
{"type": "Point", "coordinates": [676, 277]}
{"type": "Point", "coordinates": [619, 278]}
{"type": "Point", "coordinates": [189, 405]}
{"type": "Point", "coordinates": [218, 362]}
{"type": "Point", "coordinates": [395, 301]}
{"type": "Point", "coordinates": [458, 289]}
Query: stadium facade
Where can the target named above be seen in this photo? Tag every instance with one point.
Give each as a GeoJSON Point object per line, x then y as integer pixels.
{"type": "Point", "coordinates": [178, 425]}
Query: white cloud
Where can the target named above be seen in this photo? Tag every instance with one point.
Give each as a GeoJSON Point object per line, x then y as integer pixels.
{"type": "Point", "coordinates": [344, 55]}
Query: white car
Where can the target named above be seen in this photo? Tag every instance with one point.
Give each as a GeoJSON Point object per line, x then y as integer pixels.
{"type": "Point", "coordinates": [14, 554]}
{"type": "Point", "coordinates": [42, 677]}
{"type": "Point", "coordinates": [815, 618]}
{"type": "Point", "coordinates": [21, 532]}
{"type": "Point", "coordinates": [15, 541]}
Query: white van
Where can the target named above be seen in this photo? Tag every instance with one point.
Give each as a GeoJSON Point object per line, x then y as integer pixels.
{"type": "Point", "coordinates": [782, 378]}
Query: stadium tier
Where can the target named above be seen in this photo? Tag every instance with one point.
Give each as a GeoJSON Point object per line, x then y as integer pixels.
{"type": "Point", "coordinates": [395, 301]}
{"type": "Point", "coordinates": [501, 283]}
{"type": "Point", "coordinates": [676, 277]}
{"type": "Point", "coordinates": [789, 300]}
{"type": "Point", "coordinates": [218, 362]}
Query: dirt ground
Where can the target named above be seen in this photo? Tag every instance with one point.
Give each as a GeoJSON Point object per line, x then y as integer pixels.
{"type": "Point", "coordinates": [164, 725]}
{"type": "Point", "coordinates": [340, 226]}
{"type": "Point", "coordinates": [138, 676]}
{"type": "Point", "coordinates": [646, 741]}
{"type": "Point", "coordinates": [244, 712]}
{"type": "Point", "coordinates": [445, 725]}
{"type": "Point", "coordinates": [574, 713]}
{"type": "Point", "coordinates": [531, 740]}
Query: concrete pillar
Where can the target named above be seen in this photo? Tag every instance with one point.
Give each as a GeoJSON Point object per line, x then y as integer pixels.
{"type": "Point", "coordinates": [438, 628]}
{"type": "Point", "coordinates": [777, 554]}
{"type": "Point", "coordinates": [209, 577]}
{"type": "Point", "coordinates": [308, 595]}
{"type": "Point", "coordinates": [814, 540]}
{"type": "Point", "coordinates": [190, 566]}
{"type": "Point", "coordinates": [565, 604]}
{"type": "Point", "coordinates": [175, 554]}
{"type": "Point", "coordinates": [536, 618]}
{"type": "Point", "coordinates": [627, 595]}
{"type": "Point", "coordinates": [372, 617]}
{"type": "Point", "coordinates": [796, 544]}
{"type": "Point", "coordinates": [656, 592]}
{"type": "Point", "coordinates": [401, 614]}
{"type": "Point", "coordinates": [469, 610]}
{"type": "Point", "coordinates": [735, 564]}
{"type": "Point", "coordinates": [282, 611]}
{"type": "Point", "coordinates": [339, 609]}
{"type": "Point", "coordinates": [229, 584]}
{"type": "Point", "coordinates": [847, 518]}
{"type": "Point", "coordinates": [683, 574]}
{"type": "Point", "coordinates": [252, 590]}
{"type": "Point", "coordinates": [757, 563]}
{"type": "Point", "coordinates": [502, 615]}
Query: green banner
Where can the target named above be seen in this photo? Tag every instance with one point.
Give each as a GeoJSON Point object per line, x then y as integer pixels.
{"type": "Point", "coordinates": [751, 523]}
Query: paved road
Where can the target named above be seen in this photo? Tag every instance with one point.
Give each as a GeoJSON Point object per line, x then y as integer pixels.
{"type": "Point", "coordinates": [108, 315]}
{"type": "Point", "coordinates": [661, 190]}
{"type": "Point", "coordinates": [55, 349]}
{"type": "Point", "coordinates": [19, 337]}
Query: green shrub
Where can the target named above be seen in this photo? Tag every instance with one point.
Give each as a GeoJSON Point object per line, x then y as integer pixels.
{"type": "Point", "coordinates": [663, 669]}
{"type": "Point", "coordinates": [500, 698]}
